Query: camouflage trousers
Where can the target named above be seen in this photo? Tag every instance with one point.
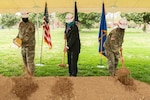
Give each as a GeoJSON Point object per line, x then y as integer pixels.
{"type": "Point", "coordinates": [28, 58]}
{"type": "Point", "coordinates": [112, 61]}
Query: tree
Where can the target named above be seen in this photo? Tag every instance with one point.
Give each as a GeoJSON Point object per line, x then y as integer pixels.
{"type": "Point", "coordinates": [86, 20]}
{"type": "Point", "coordinates": [61, 17]}
{"type": "Point", "coordinates": [138, 18]}
{"type": "Point", "coordinates": [9, 20]}
{"type": "Point", "coordinates": [36, 18]}
{"type": "Point", "coordinates": [146, 20]}
{"type": "Point", "coordinates": [146, 17]}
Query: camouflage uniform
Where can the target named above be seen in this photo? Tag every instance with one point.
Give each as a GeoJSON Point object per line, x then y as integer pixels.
{"type": "Point", "coordinates": [27, 35]}
{"type": "Point", "coordinates": [112, 45]}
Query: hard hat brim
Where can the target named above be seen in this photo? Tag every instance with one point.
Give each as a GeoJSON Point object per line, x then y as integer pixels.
{"type": "Point", "coordinates": [123, 26]}
{"type": "Point", "coordinates": [25, 16]}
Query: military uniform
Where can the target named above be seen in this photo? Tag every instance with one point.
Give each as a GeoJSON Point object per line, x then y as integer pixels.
{"type": "Point", "coordinates": [27, 35]}
{"type": "Point", "coordinates": [112, 45]}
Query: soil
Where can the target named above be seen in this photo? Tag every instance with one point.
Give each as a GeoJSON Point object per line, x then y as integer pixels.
{"type": "Point", "coordinates": [71, 88]}
{"type": "Point", "coordinates": [124, 76]}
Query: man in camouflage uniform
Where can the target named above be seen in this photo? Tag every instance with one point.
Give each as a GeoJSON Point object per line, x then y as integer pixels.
{"type": "Point", "coordinates": [27, 35]}
{"type": "Point", "coordinates": [113, 44]}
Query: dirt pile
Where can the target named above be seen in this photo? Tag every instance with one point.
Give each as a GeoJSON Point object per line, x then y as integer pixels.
{"type": "Point", "coordinates": [62, 89]}
{"type": "Point", "coordinates": [124, 77]}
{"type": "Point", "coordinates": [24, 87]}
{"type": "Point", "coordinates": [71, 88]}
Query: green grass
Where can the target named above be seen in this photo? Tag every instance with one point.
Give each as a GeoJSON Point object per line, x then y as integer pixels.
{"type": "Point", "coordinates": [136, 53]}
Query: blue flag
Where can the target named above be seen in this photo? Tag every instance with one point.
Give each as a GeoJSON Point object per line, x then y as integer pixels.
{"type": "Point", "coordinates": [75, 12]}
{"type": "Point", "coordinates": [102, 32]}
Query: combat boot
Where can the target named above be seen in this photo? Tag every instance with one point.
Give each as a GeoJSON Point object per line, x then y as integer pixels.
{"type": "Point", "coordinates": [30, 72]}
{"type": "Point", "coordinates": [25, 72]}
{"type": "Point", "coordinates": [112, 73]}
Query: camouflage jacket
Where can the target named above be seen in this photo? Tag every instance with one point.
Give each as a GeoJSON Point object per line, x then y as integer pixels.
{"type": "Point", "coordinates": [27, 33]}
{"type": "Point", "coordinates": [114, 40]}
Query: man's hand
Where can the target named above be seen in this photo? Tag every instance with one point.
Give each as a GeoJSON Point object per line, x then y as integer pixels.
{"type": "Point", "coordinates": [17, 42]}
{"type": "Point", "coordinates": [65, 49]}
{"type": "Point", "coordinates": [64, 37]}
{"type": "Point", "coordinates": [121, 49]}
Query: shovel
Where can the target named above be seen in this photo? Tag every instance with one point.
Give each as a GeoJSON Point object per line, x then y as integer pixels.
{"type": "Point", "coordinates": [123, 71]}
{"type": "Point", "coordinates": [123, 74]}
{"type": "Point", "coordinates": [63, 58]}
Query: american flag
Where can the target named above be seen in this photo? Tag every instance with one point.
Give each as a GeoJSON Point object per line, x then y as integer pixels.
{"type": "Point", "coordinates": [46, 28]}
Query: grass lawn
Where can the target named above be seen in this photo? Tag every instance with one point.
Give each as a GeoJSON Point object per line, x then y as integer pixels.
{"type": "Point", "coordinates": [136, 53]}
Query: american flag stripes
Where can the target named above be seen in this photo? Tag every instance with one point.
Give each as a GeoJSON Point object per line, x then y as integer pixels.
{"type": "Point", "coordinates": [46, 27]}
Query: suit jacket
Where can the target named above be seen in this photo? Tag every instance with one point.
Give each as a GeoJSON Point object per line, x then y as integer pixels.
{"type": "Point", "coordinates": [73, 38]}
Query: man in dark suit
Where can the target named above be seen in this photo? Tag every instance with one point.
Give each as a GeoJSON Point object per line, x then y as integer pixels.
{"type": "Point", "coordinates": [73, 44]}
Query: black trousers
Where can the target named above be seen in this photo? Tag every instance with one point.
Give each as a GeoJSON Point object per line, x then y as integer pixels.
{"type": "Point", "coordinates": [72, 62]}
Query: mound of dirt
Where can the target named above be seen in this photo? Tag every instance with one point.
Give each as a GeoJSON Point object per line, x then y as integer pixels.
{"type": "Point", "coordinates": [24, 87]}
{"type": "Point", "coordinates": [71, 88]}
{"type": "Point", "coordinates": [62, 89]}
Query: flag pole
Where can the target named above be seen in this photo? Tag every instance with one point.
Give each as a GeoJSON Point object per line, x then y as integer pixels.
{"type": "Point", "coordinates": [101, 51]}
{"type": "Point", "coordinates": [40, 51]}
{"type": "Point", "coordinates": [101, 60]}
{"type": "Point", "coordinates": [46, 35]}
{"type": "Point", "coordinates": [102, 35]}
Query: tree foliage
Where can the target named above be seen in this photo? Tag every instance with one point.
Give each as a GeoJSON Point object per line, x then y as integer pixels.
{"type": "Point", "coordinates": [146, 17]}
{"type": "Point", "coordinates": [37, 19]}
{"type": "Point", "coordinates": [86, 20]}
{"type": "Point", "coordinates": [61, 17]}
{"type": "Point", "coordinates": [9, 20]}
{"type": "Point", "coordinates": [138, 18]}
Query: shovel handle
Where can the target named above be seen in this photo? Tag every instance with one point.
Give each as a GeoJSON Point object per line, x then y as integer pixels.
{"type": "Point", "coordinates": [63, 58]}
{"type": "Point", "coordinates": [121, 58]}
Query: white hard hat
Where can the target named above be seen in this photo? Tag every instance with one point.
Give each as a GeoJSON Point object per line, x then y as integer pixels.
{"type": "Point", "coordinates": [69, 18]}
{"type": "Point", "coordinates": [24, 14]}
{"type": "Point", "coordinates": [123, 23]}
